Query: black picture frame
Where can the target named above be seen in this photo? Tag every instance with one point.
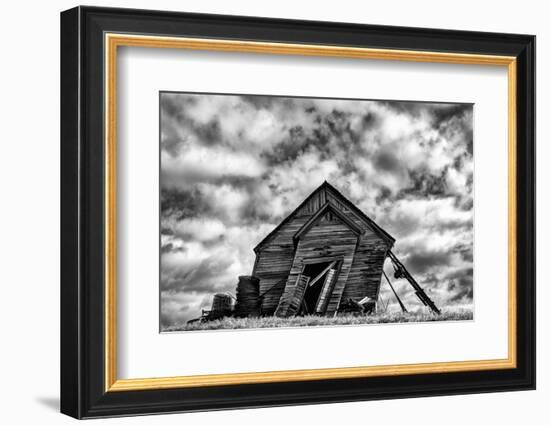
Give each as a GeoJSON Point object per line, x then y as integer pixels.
{"type": "Point", "coordinates": [83, 392]}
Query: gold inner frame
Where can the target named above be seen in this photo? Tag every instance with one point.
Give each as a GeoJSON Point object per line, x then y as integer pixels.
{"type": "Point", "coordinates": [113, 41]}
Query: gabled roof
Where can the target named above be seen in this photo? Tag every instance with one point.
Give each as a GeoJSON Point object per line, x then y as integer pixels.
{"type": "Point", "coordinates": [328, 187]}
{"type": "Point", "coordinates": [329, 206]}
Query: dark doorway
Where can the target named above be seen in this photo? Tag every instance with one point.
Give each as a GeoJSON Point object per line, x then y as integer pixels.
{"type": "Point", "coordinates": [312, 293]}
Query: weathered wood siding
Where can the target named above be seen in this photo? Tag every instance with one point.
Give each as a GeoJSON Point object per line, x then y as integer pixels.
{"type": "Point", "coordinates": [271, 299]}
{"type": "Point", "coordinates": [274, 261]}
{"type": "Point", "coordinates": [366, 271]}
{"type": "Point", "coordinates": [360, 273]}
{"type": "Point", "coordinates": [326, 240]}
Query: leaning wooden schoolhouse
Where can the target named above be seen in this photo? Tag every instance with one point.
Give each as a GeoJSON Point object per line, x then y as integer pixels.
{"type": "Point", "coordinates": [326, 251]}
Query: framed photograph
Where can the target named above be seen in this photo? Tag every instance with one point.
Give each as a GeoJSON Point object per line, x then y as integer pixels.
{"type": "Point", "coordinates": [261, 212]}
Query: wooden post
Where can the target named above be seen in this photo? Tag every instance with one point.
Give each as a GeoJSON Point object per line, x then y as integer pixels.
{"type": "Point", "coordinates": [403, 272]}
{"type": "Point", "coordinates": [395, 293]}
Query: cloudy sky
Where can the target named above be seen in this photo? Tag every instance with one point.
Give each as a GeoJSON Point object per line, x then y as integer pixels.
{"type": "Point", "coordinates": [232, 167]}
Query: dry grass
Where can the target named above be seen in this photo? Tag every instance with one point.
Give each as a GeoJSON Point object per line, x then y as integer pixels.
{"type": "Point", "coordinates": [344, 319]}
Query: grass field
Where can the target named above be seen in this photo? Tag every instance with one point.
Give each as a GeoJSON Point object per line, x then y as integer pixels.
{"type": "Point", "coordinates": [344, 319]}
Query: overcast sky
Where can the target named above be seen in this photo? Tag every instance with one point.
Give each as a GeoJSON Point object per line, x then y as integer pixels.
{"type": "Point", "coordinates": [232, 167]}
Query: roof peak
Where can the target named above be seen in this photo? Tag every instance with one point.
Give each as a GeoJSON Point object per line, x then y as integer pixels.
{"type": "Point", "coordinates": [322, 185]}
{"type": "Point", "coordinates": [349, 204]}
{"type": "Point", "coordinates": [328, 205]}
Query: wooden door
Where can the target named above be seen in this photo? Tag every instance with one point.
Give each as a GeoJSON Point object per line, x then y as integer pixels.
{"type": "Point", "coordinates": [328, 284]}
{"type": "Point", "coordinates": [299, 292]}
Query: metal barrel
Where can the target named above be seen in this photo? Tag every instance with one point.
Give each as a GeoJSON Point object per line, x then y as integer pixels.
{"type": "Point", "coordinates": [248, 297]}
{"type": "Point", "coordinates": [222, 305]}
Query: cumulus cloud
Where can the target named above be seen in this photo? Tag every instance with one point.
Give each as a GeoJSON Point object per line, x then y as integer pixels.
{"type": "Point", "coordinates": [232, 167]}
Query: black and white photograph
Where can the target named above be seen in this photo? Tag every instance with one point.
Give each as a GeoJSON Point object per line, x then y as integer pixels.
{"type": "Point", "coordinates": [330, 210]}
{"type": "Point", "coordinates": [289, 211]}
